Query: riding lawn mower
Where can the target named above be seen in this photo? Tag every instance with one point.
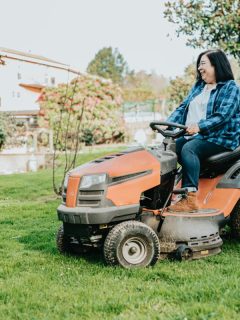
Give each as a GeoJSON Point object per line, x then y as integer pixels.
{"type": "Point", "coordinates": [119, 204]}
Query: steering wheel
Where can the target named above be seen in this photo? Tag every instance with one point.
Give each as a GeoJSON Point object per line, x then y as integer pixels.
{"type": "Point", "coordinates": [155, 126]}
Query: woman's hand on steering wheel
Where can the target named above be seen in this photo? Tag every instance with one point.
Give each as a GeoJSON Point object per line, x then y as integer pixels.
{"type": "Point", "coordinates": [192, 129]}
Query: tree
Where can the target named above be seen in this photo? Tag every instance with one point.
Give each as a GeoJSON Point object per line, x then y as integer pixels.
{"type": "Point", "coordinates": [86, 110]}
{"type": "Point", "coordinates": [109, 64]}
{"type": "Point", "coordinates": [180, 86]}
{"type": "Point", "coordinates": [2, 138]}
{"type": "Point", "coordinates": [98, 103]}
{"type": "Point", "coordinates": [141, 86]}
{"type": "Point", "coordinates": [10, 132]}
{"type": "Point", "coordinates": [236, 69]}
{"type": "Point", "coordinates": [207, 23]}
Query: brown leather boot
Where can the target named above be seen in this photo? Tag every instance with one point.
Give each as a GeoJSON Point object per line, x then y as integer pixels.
{"type": "Point", "coordinates": [186, 204]}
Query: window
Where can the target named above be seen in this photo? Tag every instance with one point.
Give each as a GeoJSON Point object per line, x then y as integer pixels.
{"type": "Point", "coordinates": [19, 76]}
{"type": "Point", "coordinates": [53, 81]}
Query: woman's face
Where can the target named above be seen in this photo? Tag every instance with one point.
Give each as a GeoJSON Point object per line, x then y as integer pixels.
{"type": "Point", "coordinates": [206, 70]}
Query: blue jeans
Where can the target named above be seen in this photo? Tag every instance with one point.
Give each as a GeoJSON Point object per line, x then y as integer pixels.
{"type": "Point", "coordinates": [190, 155]}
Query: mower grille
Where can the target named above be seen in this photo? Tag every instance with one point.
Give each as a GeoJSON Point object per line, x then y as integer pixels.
{"type": "Point", "coordinates": [91, 192]}
{"type": "Point", "coordinates": [90, 198]}
{"type": "Point", "coordinates": [107, 158]}
{"type": "Point", "coordinates": [129, 176]}
{"type": "Point", "coordinates": [88, 203]}
{"type": "Point", "coordinates": [112, 156]}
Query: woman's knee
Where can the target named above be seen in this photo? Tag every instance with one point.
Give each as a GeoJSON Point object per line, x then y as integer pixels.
{"type": "Point", "coordinates": [179, 145]}
{"type": "Point", "coordinates": [188, 151]}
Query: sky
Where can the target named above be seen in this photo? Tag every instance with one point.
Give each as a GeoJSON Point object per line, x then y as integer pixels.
{"type": "Point", "coordinates": [73, 31]}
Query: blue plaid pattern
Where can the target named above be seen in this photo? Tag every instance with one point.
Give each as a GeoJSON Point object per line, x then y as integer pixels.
{"type": "Point", "coordinates": [222, 123]}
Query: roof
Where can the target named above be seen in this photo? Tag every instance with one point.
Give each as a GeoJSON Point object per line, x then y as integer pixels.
{"type": "Point", "coordinates": [32, 87]}
{"type": "Point", "coordinates": [34, 59]}
{"type": "Point", "coordinates": [29, 55]}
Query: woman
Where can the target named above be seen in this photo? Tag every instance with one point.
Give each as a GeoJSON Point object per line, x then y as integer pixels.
{"type": "Point", "coordinates": [211, 113]}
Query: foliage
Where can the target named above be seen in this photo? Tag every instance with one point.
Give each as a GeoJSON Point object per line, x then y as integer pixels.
{"type": "Point", "coordinates": [36, 282]}
{"type": "Point", "coordinates": [141, 86]}
{"type": "Point", "coordinates": [214, 23]}
{"type": "Point", "coordinates": [236, 70]}
{"type": "Point", "coordinates": [85, 111]}
{"type": "Point", "coordinates": [2, 138]}
{"type": "Point", "coordinates": [179, 87]}
{"type": "Point", "coordinates": [95, 100]}
{"type": "Point", "coordinates": [10, 132]}
{"type": "Point", "coordinates": [109, 64]}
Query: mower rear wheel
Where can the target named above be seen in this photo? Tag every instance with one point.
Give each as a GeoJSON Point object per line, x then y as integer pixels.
{"type": "Point", "coordinates": [235, 221]}
{"type": "Point", "coordinates": [131, 244]}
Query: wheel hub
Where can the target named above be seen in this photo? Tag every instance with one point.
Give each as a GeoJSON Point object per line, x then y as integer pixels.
{"type": "Point", "coordinates": [134, 250]}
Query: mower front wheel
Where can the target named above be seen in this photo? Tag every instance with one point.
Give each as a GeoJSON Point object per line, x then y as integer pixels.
{"type": "Point", "coordinates": [131, 244]}
{"type": "Point", "coordinates": [63, 242]}
{"type": "Point", "coordinates": [66, 246]}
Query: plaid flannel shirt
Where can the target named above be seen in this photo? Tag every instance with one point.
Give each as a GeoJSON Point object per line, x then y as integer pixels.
{"type": "Point", "coordinates": [222, 123]}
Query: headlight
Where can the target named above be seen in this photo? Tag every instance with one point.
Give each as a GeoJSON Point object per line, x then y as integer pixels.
{"type": "Point", "coordinates": [88, 181]}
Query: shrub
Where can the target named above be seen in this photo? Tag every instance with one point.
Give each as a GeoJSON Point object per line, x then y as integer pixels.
{"type": "Point", "coordinates": [92, 102]}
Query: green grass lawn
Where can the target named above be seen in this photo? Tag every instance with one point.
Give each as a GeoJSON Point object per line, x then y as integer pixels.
{"type": "Point", "coordinates": [36, 282]}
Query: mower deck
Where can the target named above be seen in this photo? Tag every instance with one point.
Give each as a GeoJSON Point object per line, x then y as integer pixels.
{"type": "Point", "coordinates": [197, 213]}
{"type": "Point", "coordinates": [196, 233]}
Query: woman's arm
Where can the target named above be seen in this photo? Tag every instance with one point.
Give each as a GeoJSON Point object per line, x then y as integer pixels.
{"type": "Point", "coordinates": [230, 105]}
{"type": "Point", "coordinates": [178, 114]}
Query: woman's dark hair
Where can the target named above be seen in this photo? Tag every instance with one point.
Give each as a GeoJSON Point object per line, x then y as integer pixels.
{"type": "Point", "coordinates": [219, 61]}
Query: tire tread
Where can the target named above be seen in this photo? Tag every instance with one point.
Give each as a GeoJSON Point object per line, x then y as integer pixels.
{"type": "Point", "coordinates": [115, 233]}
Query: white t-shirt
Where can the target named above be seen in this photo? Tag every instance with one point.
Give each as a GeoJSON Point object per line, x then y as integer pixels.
{"type": "Point", "coordinates": [197, 109]}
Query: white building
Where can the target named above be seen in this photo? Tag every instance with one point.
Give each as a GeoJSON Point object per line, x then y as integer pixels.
{"type": "Point", "coordinates": [21, 82]}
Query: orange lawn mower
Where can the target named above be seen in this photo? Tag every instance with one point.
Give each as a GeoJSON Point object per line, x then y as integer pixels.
{"type": "Point", "coordinates": [118, 203]}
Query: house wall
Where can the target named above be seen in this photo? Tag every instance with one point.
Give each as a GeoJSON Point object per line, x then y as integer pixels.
{"type": "Point", "coordinates": [15, 98]}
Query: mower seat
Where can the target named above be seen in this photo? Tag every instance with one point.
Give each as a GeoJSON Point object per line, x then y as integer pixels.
{"type": "Point", "coordinates": [220, 162]}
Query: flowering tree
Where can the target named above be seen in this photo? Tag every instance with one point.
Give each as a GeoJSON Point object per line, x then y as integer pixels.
{"type": "Point", "coordinates": [85, 111]}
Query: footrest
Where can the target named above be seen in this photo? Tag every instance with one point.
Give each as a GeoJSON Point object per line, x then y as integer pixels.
{"type": "Point", "coordinates": [180, 191]}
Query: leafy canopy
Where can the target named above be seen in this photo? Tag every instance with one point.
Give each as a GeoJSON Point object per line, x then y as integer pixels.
{"type": "Point", "coordinates": [179, 87]}
{"type": "Point", "coordinates": [92, 102]}
{"type": "Point", "coordinates": [141, 86]}
{"type": "Point", "coordinates": [87, 110]}
{"type": "Point", "coordinates": [109, 64]}
{"type": "Point", "coordinates": [207, 23]}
